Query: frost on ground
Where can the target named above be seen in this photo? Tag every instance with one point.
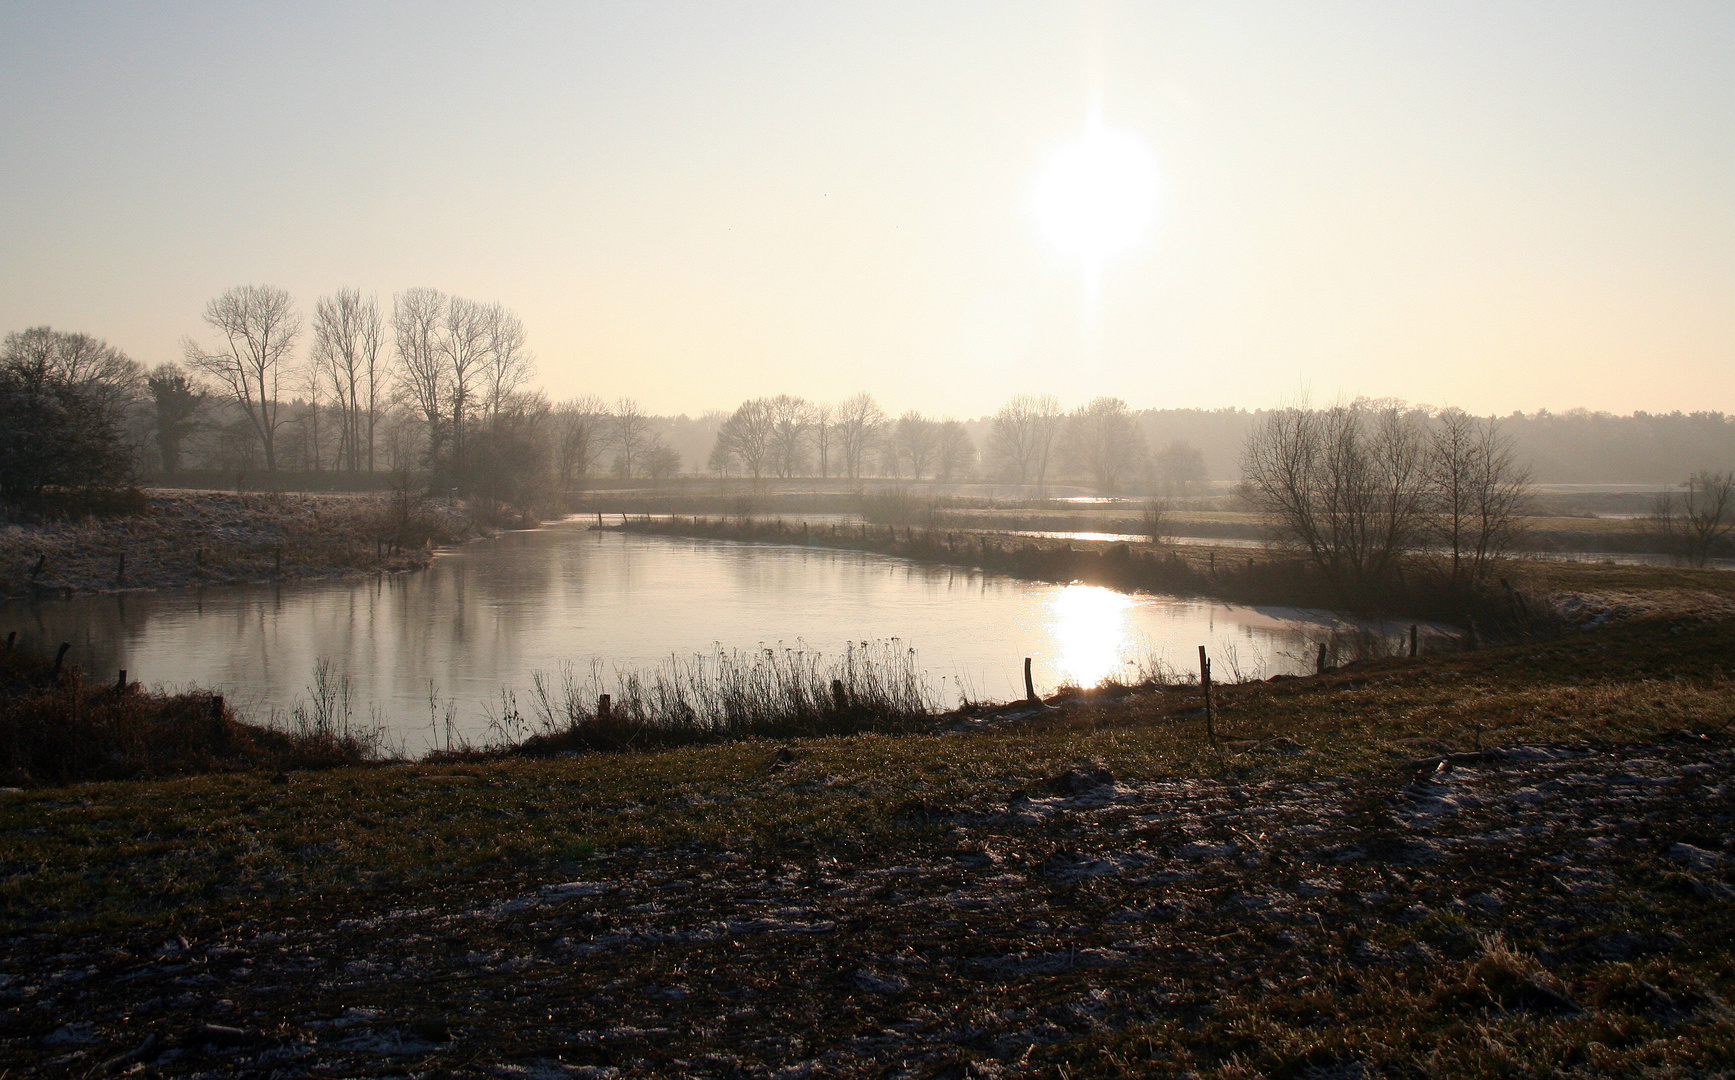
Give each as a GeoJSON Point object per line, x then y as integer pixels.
{"type": "Point", "coordinates": [1029, 923]}
{"type": "Point", "coordinates": [211, 537]}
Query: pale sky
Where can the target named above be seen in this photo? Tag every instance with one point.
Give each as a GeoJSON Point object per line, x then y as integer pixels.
{"type": "Point", "coordinates": [1495, 205]}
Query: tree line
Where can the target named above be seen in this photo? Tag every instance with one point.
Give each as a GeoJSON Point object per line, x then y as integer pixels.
{"type": "Point", "coordinates": [1029, 441]}
{"type": "Point", "coordinates": [436, 384]}
{"type": "Point", "coordinates": [440, 385]}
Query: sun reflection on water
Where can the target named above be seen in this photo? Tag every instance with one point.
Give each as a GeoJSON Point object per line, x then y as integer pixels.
{"type": "Point", "coordinates": [1089, 626]}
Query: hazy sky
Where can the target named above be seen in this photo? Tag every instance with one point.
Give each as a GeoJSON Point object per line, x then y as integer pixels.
{"type": "Point", "coordinates": [1498, 205]}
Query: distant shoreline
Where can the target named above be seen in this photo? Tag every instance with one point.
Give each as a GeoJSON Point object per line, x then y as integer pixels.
{"type": "Point", "coordinates": [187, 539]}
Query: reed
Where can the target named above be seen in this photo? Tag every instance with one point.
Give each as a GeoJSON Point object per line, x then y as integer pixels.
{"type": "Point", "coordinates": [727, 695]}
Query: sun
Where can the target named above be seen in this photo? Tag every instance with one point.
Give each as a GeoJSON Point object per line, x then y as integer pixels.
{"type": "Point", "coordinates": [1097, 196]}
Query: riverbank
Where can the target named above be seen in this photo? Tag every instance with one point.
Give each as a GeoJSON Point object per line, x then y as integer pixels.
{"type": "Point", "coordinates": [178, 539]}
{"type": "Point", "coordinates": [56, 728]}
{"type": "Point", "coordinates": [1260, 577]}
{"type": "Point", "coordinates": [1515, 861]}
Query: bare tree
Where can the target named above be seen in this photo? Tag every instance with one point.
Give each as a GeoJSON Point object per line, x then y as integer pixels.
{"type": "Point", "coordinates": [721, 461]}
{"type": "Point", "coordinates": [859, 421]}
{"type": "Point", "coordinates": [580, 433]}
{"type": "Point", "coordinates": [1478, 492]}
{"type": "Point", "coordinates": [663, 462]}
{"type": "Point", "coordinates": [913, 441]}
{"type": "Point", "coordinates": [309, 381]}
{"type": "Point", "coordinates": [42, 356]}
{"type": "Point", "coordinates": [823, 416]}
{"type": "Point", "coordinates": [954, 453]}
{"type": "Point", "coordinates": [1155, 520]}
{"type": "Point", "coordinates": [464, 346]}
{"type": "Point", "coordinates": [421, 377]}
{"type": "Point", "coordinates": [1347, 485]}
{"type": "Point", "coordinates": [403, 439]}
{"type": "Point", "coordinates": [1703, 516]}
{"type": "Point", "coordinates": [791, 423]}
{"type": "Point", "coordinates": [1502, 495]}
{"type": "Point", "coordinates": [508, 364]}
{"type": "Point", "coordinates": [1179, 468]}
{"type": "Point", "coordinates": [631, 433]}
{"type": "Point", "coordinates": [746, 439]}
{"type": "Point", "coordinates": [1105, 441]}
{"type": "Point", "coordinates": [259, 325]}
{"type": "Point", "coordinates": [1025, 434]}
{"type": "Point", "coordinates": [459, 361]}
{"type": "Point", "coordinates": [347, 339]}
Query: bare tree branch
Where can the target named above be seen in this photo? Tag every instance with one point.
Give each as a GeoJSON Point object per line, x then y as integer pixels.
{"type": "Point", "coordinates": [259, 325]}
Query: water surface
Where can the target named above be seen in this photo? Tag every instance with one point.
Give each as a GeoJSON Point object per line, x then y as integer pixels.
{"type": "Point", "coordinates": [483, 618]}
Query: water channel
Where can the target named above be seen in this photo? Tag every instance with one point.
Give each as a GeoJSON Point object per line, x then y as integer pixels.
{"type": "Point", "coordinates": [485, 617]}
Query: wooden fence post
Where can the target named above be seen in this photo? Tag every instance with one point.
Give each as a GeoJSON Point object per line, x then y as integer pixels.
{"type": "Point", "coordinates": [602, 707]}
{"type": "Point", "coordinates": [1319, 661]}
{"type": "Point", "coordinates": [1412, 641]}
{"type": "Point", "coordinates": [1030, 685]}
{"type": "Point", "coordinates": [1205, 684]}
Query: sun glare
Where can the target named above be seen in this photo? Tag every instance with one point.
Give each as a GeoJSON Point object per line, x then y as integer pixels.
{"type": "Point", "coordinates": [1097, 196]}
{"type": "Point", "coordinates": [1089, 626]}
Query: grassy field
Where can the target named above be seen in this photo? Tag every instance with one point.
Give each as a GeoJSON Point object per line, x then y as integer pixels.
{"type": "Point", "coordinates": [1510, 862]}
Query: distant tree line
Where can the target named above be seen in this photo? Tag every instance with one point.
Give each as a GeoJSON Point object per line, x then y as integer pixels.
{"type": "Point", "coordinates": [440, 385]}
{"type": "Point", "coordinates": [1030, 441]}
{"type": "Point", "coordinates": [1574, 447]}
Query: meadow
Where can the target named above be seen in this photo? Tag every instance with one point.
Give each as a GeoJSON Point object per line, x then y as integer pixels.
{"type": "Point", "coordinates": [1510, 861]}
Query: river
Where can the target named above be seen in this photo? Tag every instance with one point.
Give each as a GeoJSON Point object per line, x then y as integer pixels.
{"type": "Point", "coordinates": [483, 618]}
